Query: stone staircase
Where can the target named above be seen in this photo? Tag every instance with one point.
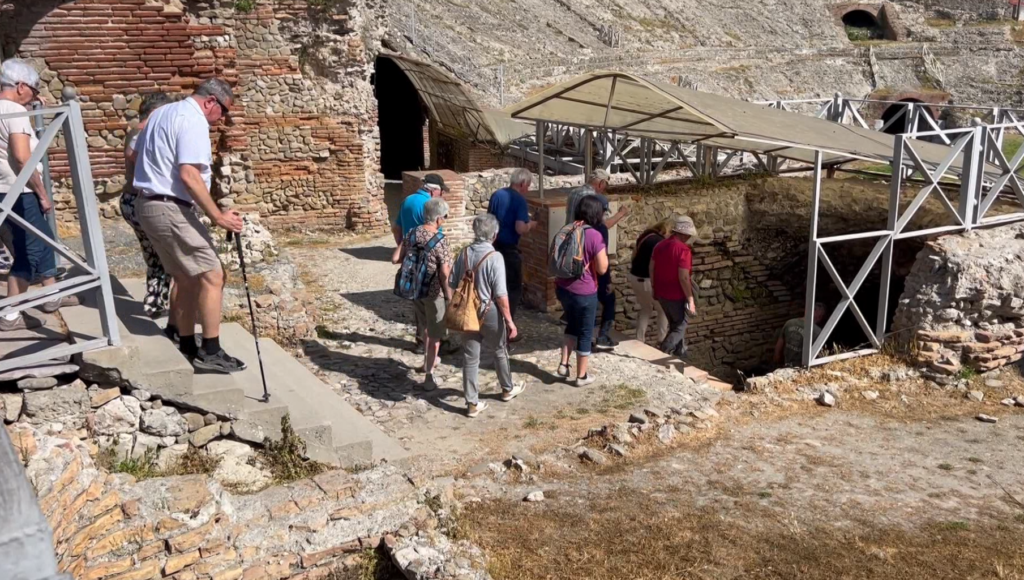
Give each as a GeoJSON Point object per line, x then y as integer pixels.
{"type": "Point", "coordinates": [630, 346]}
{"type": "Point", "coordinates": [334, 432]}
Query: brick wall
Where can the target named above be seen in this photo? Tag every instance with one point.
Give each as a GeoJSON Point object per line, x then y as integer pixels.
{"type": "Point", "coordinates": [303, 146]}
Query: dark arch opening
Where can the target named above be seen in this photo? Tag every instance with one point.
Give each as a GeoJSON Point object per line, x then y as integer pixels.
{"type": "Point", "coordinates": [862, 25]}
{"type": "Point", "coordinates": [400, 118]}
{"type": "Point", "coordinates": [901, 125]}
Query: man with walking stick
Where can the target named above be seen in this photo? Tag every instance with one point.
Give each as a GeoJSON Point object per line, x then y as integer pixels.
{"type": "Point", "coordinates": [172, 173]}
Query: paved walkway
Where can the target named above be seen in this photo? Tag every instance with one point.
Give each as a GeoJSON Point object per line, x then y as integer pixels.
{"type": "Point", "coordinates": [364, 352]}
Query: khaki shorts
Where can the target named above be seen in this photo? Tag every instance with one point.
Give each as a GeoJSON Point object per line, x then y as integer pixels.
{"type": "Point", "coordinates": [178, 237]}
{"type": "Point", "coordinates": [431, 312]}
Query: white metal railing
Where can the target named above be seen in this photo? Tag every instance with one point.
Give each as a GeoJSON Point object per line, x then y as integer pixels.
{"type": "Point", "coordinates": [978, 185]}
{"type": "Point", "coordinates": [91, 272]}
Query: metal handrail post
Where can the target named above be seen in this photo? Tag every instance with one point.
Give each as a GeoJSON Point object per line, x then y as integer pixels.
{"type": "Point", "coordinates": [51, 217]}
{"type": "Point", "coordinates": [88, 215]}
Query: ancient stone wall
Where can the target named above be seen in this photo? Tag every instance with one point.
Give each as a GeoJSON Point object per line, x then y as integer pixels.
{"type": "Point", "coordinates": [303, 145]}
{"type": "Point", "coordinates": [964, 301]}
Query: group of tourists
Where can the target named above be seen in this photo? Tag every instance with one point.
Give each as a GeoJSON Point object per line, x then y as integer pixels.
{"type": "Point", "coordinates": [486, 279]}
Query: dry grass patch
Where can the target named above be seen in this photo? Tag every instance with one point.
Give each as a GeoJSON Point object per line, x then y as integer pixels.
{"type": "Point", "coordinates": [629, 535]}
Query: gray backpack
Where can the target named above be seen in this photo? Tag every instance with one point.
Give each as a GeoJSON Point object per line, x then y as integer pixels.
{"type": "Point", "coordinates": [566, 259]}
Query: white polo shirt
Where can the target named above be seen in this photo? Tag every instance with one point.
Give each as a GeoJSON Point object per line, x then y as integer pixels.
{"type": "Point", "coordinates": [176, 134]}
{"type": "Point", "coordinates": [10, 127]}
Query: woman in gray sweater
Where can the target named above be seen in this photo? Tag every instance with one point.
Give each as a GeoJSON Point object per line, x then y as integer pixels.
{"type": "Point", "coordinates": [496, 325]}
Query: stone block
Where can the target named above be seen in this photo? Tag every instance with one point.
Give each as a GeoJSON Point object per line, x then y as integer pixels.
{"type": "Point", "coordinates": [101, 397]}
{"type": "Point", "coordinates": [179, 562]}
{"type": "Point", "coordinates": [943, 336]}
{"type": "Point", "coordinates": [68, 405]}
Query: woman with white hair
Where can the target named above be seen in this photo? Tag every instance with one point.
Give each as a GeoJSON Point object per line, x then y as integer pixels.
{"type": "Point", "coordinates": [439, 263]}
{"type": "Point", "coordinates": [19, 86]}
{"type": "Point", "coordinates": [487, 268]}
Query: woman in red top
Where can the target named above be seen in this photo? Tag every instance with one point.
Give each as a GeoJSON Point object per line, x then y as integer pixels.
{"type": "Point", "coordinates": [671, 264]}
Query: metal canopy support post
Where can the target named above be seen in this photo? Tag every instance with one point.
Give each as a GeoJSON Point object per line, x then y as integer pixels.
{"type": "Point", "coordinates": [812, 264]}
{"type": "Point", "coordinates": [540, 158]}
{"type": "Point", "coordinates": [588, 153]}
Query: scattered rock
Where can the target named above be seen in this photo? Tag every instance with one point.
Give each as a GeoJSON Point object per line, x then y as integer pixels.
{"type": "Point", "coordinates": [517, 465]}
{"type": "Point", "coordinates": [12, 404]}
{"type": "Point", "coordinates": [194, 420]}
{"type": "Point", "coordinates": [118, 416]}
{"type": "Point", "coordinates": [1009, 402]}
{"type": "Point", "coordinates": [620, 434]}
{"type": "Point", "coordinates": [638, 418]}
{"type": "Point", "coordinates": [145, 445]}
{"type": "Point", "coordinates": [534, 496]}
{"type": "Point", "coordinates": [225, 429]}
{"type": "Point", "coordinates": [210, 418]}
{"type": "Point", "coordinates": [976, 396]}
{"type": "Point", "coordinates": [170, 456]}
{"type": "Point", "coordinates": [596, 457]}
{"type": "Point", "coordinates": [68, 405]}
{"type": "Point", "coordinates": [141, 394]}
{"type": "Point", "coordinates": [869, 395]}
{"type": "Point", "coordinates": [162, 423]}
{"type": "Point", "coordinates": [37, 384]}
{"type": "Point", "coordinates": [986, 418]}
{"type": "Point", "coordinates": [666, 433]}
{"type": "Point", "coordinates": [826, 399]}
{"type": "Point", "coordinates": [526, 457]}
{"type": "Point", "coordinates": [654, 413]}
{"type": "Point", "coordinates": [994, 384]}
{"type": "Point", "coordinates": [156, 404]}
{"type": "Point", "coordinates": [618, 450]}
{"type": "Point", "coordinates": [101, 397]}
{"type": "Point", "coordinates": [203, 436]}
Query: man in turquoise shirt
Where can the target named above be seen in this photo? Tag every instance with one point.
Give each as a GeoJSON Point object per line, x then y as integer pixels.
{"type": "Point", "coordinates": [411, 214]}
{"type": "Point", "coordinates": [409, 218]}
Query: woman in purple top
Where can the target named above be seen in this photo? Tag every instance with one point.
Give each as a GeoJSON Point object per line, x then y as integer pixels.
{"type": "Point", "coordinates": [579, 295]}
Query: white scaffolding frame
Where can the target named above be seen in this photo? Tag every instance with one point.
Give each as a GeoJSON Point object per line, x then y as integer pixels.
{"type": "Point", "coordinates": [91, 273]}
{"type": "Point", "coordinates": [978, 184]}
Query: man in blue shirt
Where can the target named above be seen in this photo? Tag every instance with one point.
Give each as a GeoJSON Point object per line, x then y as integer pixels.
{"type": "Point", "coordinates": [509, 206]}
{"type": "Point", "coordinates": [410, 217]}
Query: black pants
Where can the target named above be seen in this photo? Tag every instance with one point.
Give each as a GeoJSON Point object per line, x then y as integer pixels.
{"type": "Point", "coordinates": [606, 298]}
{"type": "Point", "coordinates": [675, 340]}
{"type": "Point", "coordinates": [513, 275]}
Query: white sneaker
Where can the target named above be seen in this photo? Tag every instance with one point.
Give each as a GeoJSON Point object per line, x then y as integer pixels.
{"type": "Point", "coordinates": [515, 392]}
{"type": "Point", "coordinates": [474, 410]}
{"type": "Point", "coordinates": [563, 371]}
{"type": "Point", "coordinates": [585, 380]}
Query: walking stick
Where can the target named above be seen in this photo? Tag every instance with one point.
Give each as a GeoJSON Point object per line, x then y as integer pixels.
{"type": "Point", "coordinates": [252, 313]}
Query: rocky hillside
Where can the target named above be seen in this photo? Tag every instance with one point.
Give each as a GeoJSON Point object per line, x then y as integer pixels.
{"type": "Point", "coordinates": [767, 49]}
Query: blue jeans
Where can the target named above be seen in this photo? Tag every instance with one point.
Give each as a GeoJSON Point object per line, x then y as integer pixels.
{"type": "Point", "coordinates": [580, 313]}
{"type": "Point", "coordinates": [31, 256]}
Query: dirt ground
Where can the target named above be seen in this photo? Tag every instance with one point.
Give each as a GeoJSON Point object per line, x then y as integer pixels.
{"type": "Point", "coordinates": [814, 493]}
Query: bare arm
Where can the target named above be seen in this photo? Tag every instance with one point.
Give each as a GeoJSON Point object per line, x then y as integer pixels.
{"type": "Point", "coordinates": [615, 219]}
{"type": "Point", "coordinates": [684, 281]}
{"type": "Point", "coordinates": [780, 346]}
{"type": "Point", "coordinates": [446, 272]}
{"type": "Point", "coordinates": [399, 254]}
{"type": "Point", "coordinates": [601, 263]}
{"type": "Point", "coordinates": [523, 227]}
{"type": "Point", "coordinates": [21, 152]}
{"type": "Point", "coordinates": [193, 180]}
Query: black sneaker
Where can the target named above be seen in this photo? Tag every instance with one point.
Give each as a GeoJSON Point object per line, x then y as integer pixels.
{"type": "Point", "coordinates": [606, 341]}
{"type": "Point", "coordinates": [221, 362]}
{"type": "Point", "coordinates": [420, 348]}
{"type": "Point", "coordinates": [172, 335]}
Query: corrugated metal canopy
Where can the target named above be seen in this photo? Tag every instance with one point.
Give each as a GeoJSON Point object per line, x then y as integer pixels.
{"type": "Point", "coordinates": [632, 105]}
{"type": "Point", "coordinates": [452, 107]}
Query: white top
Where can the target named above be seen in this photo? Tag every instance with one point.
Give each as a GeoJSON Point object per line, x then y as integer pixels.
{"type": "Point", "coordinates": [7, 128]}
{"type": "Point", "coordinates": [175, 134]}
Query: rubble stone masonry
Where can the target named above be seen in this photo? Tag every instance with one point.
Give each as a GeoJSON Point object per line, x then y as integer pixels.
{"type": "Point", "coordinates": [303, 145]}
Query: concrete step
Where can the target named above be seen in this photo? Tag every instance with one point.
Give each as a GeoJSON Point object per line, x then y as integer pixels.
{"type": "Point", "coordinates": [145, 359]}
{"type": "Point", "coordinates": [630, 346]}
{"type": "Point", "coordinates": [332, 429]}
